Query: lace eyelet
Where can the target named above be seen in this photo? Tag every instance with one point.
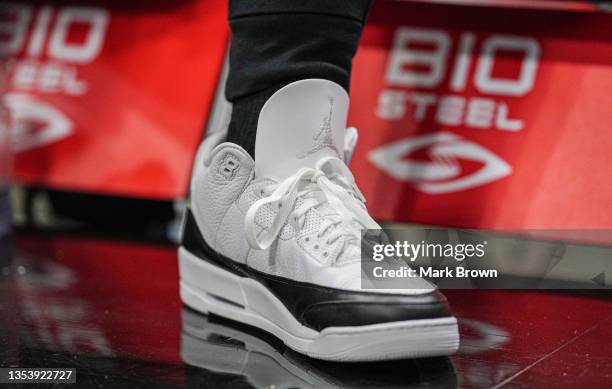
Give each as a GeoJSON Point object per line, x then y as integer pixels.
{"type": "Point", "coordinates": [316, 246]}
{"type": "Point", "coordinates": [325, 254]}
{"type": "Point", "coordinates": [307, 239]}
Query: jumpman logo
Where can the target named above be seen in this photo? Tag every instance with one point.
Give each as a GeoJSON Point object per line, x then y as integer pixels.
{"type": "Point", "coordinates": [323, 138]}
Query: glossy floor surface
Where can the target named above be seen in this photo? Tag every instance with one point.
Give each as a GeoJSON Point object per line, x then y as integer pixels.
{"type": "Point", "coordinates": [110, 308]}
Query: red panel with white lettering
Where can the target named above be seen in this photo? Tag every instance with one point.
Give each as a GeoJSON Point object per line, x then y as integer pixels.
{"type": "Point", "coordinates": [111, 97]}
{"type": "Point", "coordinates": [481, 117]}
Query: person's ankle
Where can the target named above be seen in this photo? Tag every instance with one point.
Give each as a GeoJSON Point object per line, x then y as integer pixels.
{"type": "Point", "coordinates": [245, 113]}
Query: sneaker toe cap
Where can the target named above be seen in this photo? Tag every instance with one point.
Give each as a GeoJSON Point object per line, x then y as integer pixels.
{"type": "Point", "coordinates": [376, 308]}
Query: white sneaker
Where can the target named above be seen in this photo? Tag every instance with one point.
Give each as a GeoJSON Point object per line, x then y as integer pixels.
{"type": "Point", "coordinates": [275, 243]}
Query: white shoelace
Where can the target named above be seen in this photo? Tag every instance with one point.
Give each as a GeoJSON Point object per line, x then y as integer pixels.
{"type": "Point", "coordinates": [329, 182]}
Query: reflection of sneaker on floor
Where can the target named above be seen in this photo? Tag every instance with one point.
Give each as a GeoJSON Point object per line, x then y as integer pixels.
{"type": "Point", "coordinates": [275, 243]}
{"type": "Point", "coordinates": [245, 354]}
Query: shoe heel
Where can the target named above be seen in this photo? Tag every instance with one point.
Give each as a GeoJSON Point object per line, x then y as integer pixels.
{"type": "Point", "coordinates": [208, 288]}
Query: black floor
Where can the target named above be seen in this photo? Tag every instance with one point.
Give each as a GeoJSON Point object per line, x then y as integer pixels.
{"type": "Point", "coordinates": [110, 308]}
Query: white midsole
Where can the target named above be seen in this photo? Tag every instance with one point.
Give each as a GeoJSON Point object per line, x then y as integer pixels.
{"type": "Point", "coordinates": [209, 288]}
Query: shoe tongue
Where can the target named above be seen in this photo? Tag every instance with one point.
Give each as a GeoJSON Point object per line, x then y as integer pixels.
{"type": "Point", "coordinates": [300, 124]}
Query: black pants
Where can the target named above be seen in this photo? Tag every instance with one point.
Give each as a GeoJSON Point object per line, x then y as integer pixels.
{"type": "Point", "coordinates": [276, 42]}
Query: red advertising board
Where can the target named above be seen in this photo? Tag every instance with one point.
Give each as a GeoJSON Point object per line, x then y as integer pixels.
{"type": "Point", "coordinates": [111, 97]}
{"type": "Point", "coordinates": [485, 117]}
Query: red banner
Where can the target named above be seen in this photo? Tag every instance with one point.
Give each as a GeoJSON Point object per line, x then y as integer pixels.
{"type": "Point", "coordinates": [482, 117]}
{"type": "Point", "coordinates": [112, 98]}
